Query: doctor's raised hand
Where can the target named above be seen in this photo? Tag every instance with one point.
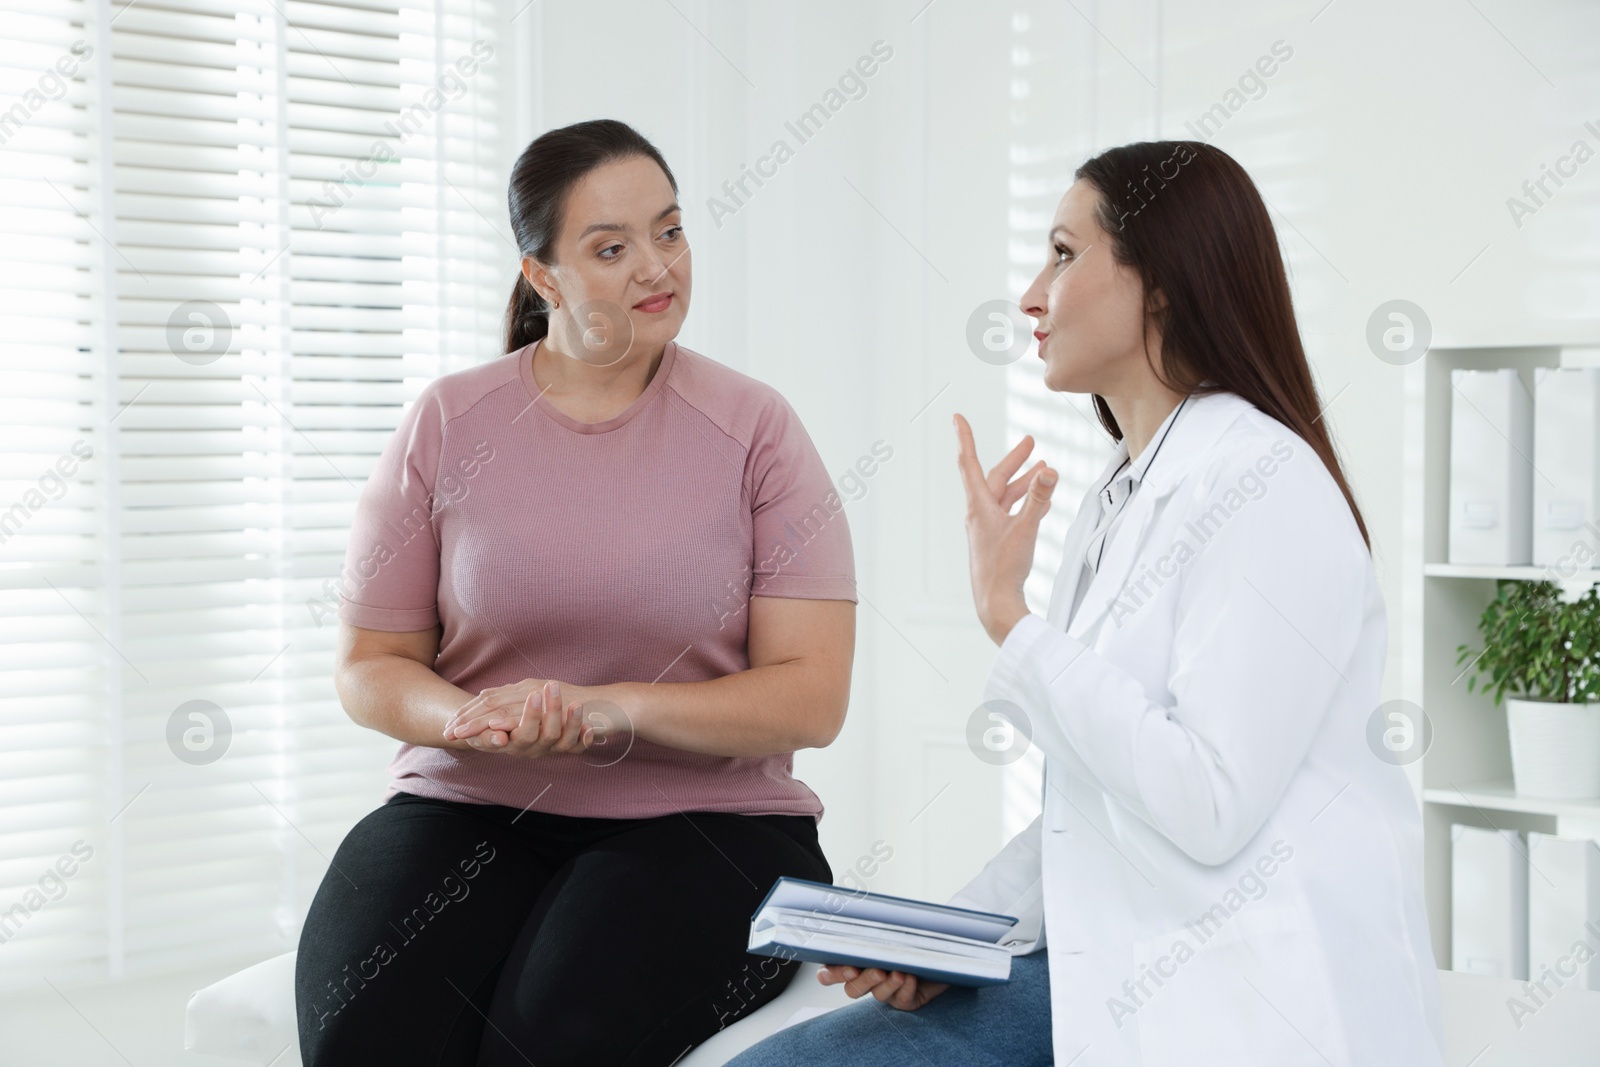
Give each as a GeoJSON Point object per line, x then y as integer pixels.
{"type": "Point", "coordinates": [1000, 544]}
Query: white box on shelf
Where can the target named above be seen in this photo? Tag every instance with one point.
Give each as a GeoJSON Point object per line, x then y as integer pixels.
{"type": "Point", "coordinates": [1491, 468]}
{"type": "Point", "coordinates": [1566, 460]}
{"type": "Point", "coordinates": [1488, 902]}
{"type": "Point", "coordinates": [1564, 910]}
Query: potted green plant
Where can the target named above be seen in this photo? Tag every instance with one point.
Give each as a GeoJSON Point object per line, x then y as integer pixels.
{"type": "Point", "coordinates": [1545, 651]}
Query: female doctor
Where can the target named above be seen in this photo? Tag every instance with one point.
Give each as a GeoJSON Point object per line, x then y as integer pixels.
{"type": "Point", "coordinates": [1225, 870]}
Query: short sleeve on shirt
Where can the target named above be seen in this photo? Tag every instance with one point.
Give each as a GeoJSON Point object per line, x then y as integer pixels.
{"type": "Point", "coordinates": [800, 539]}
{"type": "Point", "coordinates": [391, 567]}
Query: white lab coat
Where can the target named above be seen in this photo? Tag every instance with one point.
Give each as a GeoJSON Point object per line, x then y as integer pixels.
{"type": "Point", "coordinates": [1224, 871]}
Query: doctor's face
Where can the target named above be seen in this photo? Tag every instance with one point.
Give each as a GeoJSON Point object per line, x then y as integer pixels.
{"type": "Point", "coordinates": [1089, 307]}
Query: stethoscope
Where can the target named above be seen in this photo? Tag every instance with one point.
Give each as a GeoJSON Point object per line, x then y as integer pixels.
{"type": "Point", "coordinates": [1126, 460]}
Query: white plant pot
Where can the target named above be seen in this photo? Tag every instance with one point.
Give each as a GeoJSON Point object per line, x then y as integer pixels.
{"type": "Point", "coordinates": [1555, 748]}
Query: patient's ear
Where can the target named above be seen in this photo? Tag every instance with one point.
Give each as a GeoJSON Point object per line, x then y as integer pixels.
{"type": "Point", "coordinates": [538, 276]}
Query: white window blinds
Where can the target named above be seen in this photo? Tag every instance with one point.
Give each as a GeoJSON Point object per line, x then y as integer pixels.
{"type": "Point", "coordinates": [1052, 128]}
{"type": "Point", "coordinates": [53, 726]}
{"type": "Point", "coordinates": [237, 238]}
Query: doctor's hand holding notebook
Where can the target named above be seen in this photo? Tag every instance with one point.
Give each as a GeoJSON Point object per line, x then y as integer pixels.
{"type": "Point", "coordinates": [904, 952]}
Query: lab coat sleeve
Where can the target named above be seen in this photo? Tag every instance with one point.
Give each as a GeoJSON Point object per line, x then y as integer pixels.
{"type": "Point", "coordinates": [1012, 884]}
{"type": "Point", "coordinates": [1267, 616]}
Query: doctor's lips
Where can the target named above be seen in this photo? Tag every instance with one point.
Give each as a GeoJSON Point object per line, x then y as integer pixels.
{"type": "Point", "coordinates": [1040, 335]}
{"type": "Point", "coordinates": [655, 304]}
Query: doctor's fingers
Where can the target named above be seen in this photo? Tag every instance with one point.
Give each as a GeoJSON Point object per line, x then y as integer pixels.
{"type": "Point", "coordinates": [995, 480]}
{"type": "Point", "coordinates": [835, 973]}
{"type": "Point", "coordinates": [995, 485]}
{"type": "Point", "coordinates": [1019, 486]}
{"type": "Point", "coordinates": [1000, 472]}
{"type": "Point", "coordinates": [981, 495]}
{"type": "Point", "coordinates": [879, 983]}
{"type": "Point", "coordinates": [898, 990]}
{"type": "Point", "coordinates": [1036, 502]}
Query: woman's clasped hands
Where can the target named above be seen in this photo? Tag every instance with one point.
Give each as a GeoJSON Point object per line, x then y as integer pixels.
{"type": "Point", "coordinates": [525, 718]}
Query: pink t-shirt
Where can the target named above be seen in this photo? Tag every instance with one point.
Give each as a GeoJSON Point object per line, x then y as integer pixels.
{"type": "Point", "coordinates": [623, 550]}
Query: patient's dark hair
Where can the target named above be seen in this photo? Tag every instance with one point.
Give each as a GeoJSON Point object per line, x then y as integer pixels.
{"type": "Point", "coordinates": [541, 179]}
{"type": "Point", "coordinates": [1188, 219]}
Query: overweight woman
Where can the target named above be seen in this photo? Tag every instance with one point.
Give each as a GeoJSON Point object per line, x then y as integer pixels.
{"type": "Point", "coordinates": [600, 589]}
{"type": "Point", "coordinates": [1227, 868]}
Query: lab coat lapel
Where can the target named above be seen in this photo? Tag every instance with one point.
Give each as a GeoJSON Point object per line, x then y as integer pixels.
{"type": "Point", "coordinates": [1196, 430]}
{"type": "Point", "coordinates": [1121, 552]}
{"type": "Point", "coordinates": [1072, 549]}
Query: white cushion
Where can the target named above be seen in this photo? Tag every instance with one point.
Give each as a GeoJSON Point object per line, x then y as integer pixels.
{"type": "Point", "coordinates": [804, 998]}
{"type": "Point", "coordinates": [250, 1016]}
{"type": "Point", "coordinates": [247, 1016]}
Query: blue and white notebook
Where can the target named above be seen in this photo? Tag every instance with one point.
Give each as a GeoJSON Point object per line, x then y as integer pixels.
{"type": "Point", "coordinates": [818, 923]}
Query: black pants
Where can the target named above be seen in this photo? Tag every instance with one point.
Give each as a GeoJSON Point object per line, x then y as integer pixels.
{"type": "Point", "coordinates": [471, 935]}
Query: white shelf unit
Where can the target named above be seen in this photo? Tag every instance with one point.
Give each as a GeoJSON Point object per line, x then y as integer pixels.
{"type": "Point", "coordinates": [1466, 773]}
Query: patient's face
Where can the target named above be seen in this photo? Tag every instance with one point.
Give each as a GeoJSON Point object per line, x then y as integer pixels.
{"type": "Point", "coordinates": [1089, 307]}
{"type": "Point", "coordinates": [622, 244]}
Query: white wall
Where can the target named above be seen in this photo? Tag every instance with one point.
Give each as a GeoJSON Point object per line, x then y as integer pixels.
{"type": "Point", "coordinates": [1387, 146]}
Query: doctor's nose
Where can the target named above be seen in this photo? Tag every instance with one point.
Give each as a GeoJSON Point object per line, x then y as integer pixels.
{"type": "Point", "coordinates": [1033, 301]}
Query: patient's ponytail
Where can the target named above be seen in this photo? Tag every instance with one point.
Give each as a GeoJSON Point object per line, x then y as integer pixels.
{"type": "Point", "coordinates": [526, 315]}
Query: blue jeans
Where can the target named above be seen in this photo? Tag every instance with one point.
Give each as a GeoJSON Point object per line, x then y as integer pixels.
{"type": "Point", "coordinates": [1006, 1025]}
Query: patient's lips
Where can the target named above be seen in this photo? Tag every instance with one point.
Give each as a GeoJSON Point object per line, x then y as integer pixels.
{"type": "Point", "coordinates": [654, 304]}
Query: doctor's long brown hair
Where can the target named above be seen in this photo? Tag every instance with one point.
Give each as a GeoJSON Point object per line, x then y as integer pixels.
{"type": "Point", "coordinates": [1189, 220]}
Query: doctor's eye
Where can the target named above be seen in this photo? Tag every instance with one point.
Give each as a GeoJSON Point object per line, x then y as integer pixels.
{"type": "Point", "coordinates": [1062, 253]}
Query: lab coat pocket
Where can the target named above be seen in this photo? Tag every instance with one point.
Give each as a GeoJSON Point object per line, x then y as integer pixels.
{"type": "Point", "coordinates": [1247, 987]}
